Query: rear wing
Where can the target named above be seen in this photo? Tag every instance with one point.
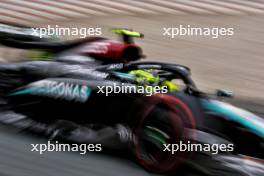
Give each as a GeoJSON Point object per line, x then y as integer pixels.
{"type": "Point", "coordinates": [24, 37]}
{"type": "Point", "coordinates": [22, 33]}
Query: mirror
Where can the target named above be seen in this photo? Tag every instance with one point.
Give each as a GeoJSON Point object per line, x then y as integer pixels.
{"type": "Point", "coordinates": [224, 93]}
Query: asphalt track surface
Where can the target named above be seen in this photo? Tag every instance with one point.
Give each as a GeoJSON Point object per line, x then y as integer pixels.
{"type": "Point", "coordinates": [16, 159]}
{"type": "Point", "coordinates": [235, 63]}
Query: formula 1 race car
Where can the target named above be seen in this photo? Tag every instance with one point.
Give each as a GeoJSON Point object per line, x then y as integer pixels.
{"type": "Point", "coordinates": [92, 92]}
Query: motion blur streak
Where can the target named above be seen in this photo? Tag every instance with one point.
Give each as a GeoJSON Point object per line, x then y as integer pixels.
{"type": "Point", "coordinates": [235, 63]}
{"type": "Point", "coordinates": [31, 11]}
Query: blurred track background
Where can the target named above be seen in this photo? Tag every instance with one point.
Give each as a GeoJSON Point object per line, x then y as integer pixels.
{"type": "Point", "coordinates": [232, 62]}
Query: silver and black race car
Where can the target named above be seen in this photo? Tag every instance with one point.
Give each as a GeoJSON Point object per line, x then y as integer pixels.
{"type": "Point", "coordinates": [94, 91]}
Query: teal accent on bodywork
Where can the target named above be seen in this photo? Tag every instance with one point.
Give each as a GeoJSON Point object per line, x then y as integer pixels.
{"type": "Point", "coordinates": [247, 119]}
{"type": "Point", "coordinates": [25, 91]}
{"type": "Point", "coordinates": [47, 92]}
{"type": "Point", "coordinates": [125, 75]}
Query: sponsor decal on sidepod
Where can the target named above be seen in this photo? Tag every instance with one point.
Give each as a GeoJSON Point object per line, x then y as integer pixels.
{"type": "Point", "coordinates": [61, 90]}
